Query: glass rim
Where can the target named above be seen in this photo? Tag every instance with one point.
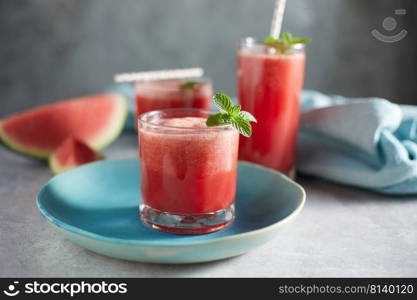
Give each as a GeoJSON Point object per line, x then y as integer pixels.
{"type": "Point", "coordinates": [251, 41]}
{"type": "Point", "coordinates": [202, 80]}
{"type": "Point", "coordinates": [142, 119]}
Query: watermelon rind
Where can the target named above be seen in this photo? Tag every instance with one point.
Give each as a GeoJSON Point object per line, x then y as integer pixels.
{"type": "Point", "coordinates": [56, 168]}
{"type": "Point", "coordinates": [20, 148]}
{"type": "Point", "coordinates": [98, 144]}
{"type": "Point", "coordinates": [115, 131]}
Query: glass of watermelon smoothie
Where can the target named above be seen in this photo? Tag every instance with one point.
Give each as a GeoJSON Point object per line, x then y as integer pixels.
{"type": "Point", "coordinates": [188, 171]}
{"type": "Point", "coordinates": [175, 93]}
{"type": "Point", "coordinates": [269, 86]}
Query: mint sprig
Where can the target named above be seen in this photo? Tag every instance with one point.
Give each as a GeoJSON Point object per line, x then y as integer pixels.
{"type": "Point", "coordinates": [284, 44]}
{"type": "Point", "coordinates": [190, 85]}
{"type": "Point", "coordinates": [231, 114]}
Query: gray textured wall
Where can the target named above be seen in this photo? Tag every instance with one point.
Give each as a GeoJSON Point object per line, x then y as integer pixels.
{"type": "Point", "coordinates": [55, 49]}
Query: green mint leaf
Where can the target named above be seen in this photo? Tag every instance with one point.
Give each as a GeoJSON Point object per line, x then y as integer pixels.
{"type": "Point", "coordinates": [286, 36]}
{"type": "Point", "coordinates": [190, 85]}
{"type": "Point", "coordinates": [223, 102]}
{"type": "Point", "coordinates": [300, 41]}
{"type": "Point", "coordinates": [216, 120]}
{"type": "Point", "coordinates": [242, 125]}
{"type": "Point", "coordinates": [283, 45]}
{"type": "Point", "coordinates": [270, 40]}
{"type": "Point", "coordinates": [235, 109]}
{"type": "Point", "coordinates": [231, 114]}
{"type": "Point", "coordinates": [247, 116]}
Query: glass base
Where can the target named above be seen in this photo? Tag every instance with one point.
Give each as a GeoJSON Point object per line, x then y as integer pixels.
{"type": "Point", "coordinates": [187, 224]}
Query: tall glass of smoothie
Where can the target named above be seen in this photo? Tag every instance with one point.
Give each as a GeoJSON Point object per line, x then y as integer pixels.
{"type": "Point", "coordinates": [269, 86]}
{"type": "Point", "coordinates": [188, 171]}
{"type": "Point", "coordinates": [175, 93]}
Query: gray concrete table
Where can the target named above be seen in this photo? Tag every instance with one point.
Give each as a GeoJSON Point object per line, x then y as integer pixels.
{"type": "Point", "coordinates": [340, 232]}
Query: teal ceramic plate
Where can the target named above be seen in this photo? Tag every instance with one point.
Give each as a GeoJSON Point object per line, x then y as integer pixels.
{"type": "Point", "coordinates": [96, 207]}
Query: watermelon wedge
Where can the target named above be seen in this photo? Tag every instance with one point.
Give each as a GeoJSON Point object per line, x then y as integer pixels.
{"type": "Point", "coordinates": [96, 120]}
{"type": "Point", "coordinates": [70, 154]}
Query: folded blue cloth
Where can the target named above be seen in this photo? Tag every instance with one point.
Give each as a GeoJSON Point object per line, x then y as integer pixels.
{"type": "Point", "coordinates": [365, 142]}
{"type": "Point", "coordinates": [369, 143]}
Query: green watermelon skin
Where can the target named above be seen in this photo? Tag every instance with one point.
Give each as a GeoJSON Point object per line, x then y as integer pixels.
{"type": "Point", "coordinates": [96, 120]}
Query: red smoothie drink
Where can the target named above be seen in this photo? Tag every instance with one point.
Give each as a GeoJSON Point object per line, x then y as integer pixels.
{"type": "Point", "coordinates": [188, 171]}
{"type": "Point", "coordinates": [269, 86]}
{"type": "Point", "coordinates": [161, 94]}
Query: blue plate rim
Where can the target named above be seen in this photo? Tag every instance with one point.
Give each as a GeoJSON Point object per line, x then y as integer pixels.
{"type": "Point", "coordinates": [90, 235]}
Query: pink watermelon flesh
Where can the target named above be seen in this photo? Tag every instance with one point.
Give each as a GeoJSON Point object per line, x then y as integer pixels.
{"type": "Point", "coordinates": [97, 120]}
{"type": "Point", "coordinates": [70, 154]}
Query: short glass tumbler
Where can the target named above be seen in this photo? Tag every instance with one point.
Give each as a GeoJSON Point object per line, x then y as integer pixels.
{"type": "Point", "coordinates": [188, 171]}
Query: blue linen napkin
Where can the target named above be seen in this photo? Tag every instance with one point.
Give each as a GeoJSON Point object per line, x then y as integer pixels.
{"type": "Point", "coordinates": [365, 142]}
{"type": "Point", "coordinates": [369, 143]}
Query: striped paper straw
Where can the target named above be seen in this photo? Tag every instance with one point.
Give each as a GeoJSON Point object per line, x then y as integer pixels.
{"type": "Point", "coordinates": [159, 75]}
{"type": "Point", "coordinates": [277, 18]}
